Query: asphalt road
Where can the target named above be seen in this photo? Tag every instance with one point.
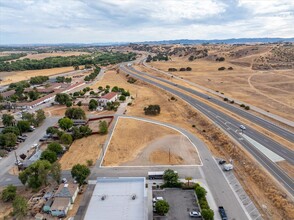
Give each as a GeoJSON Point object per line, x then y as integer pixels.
{"type": "Point", "coordinates": [8, 162]}
{"type": "Point", "coordinates": [230, 126]}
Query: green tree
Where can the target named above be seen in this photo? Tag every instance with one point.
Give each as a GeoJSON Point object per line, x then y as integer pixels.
{"type": "Point", "coordinates": [9, 193]}
{"type": "Point", "coordinates": [40, 117]}
{"type": "Point", "coordinates": [207, 214]}
{"type": "Point", "coordinates": [188, 178]}
{"type": "Point", "coordinates": [49, 155]}
{"type": "Point", "coordinates": [79, 103]}
{"type": "Point", "coordinates": [11, 129]}
{"type": "Point", "coordinates": [62, 98]}
{"type": "Point", "coordinates": [23, 126]}
{"type": "Point", "coordinates": [55, 147]}
{"type": "Point", "coordinates": [34, 95]}
{"type": "Point", "coordinates": [80, 173]}
{"type": "Point", "coordinates": [30, 117]}
{"type": "Point", "coordinates": [66, 139]}
{"type": "Point", "coordinates": [152, 110]}
{"type": "Point", "coordinates": [36, 174]}
{"type": "Point", "coordinates": [65, 123]}
{"type": "Point", "coordinates": [75, 113]}
{"type": "Point", "coordinates": [8, 120]}
{"type": "Point", "coordinates": [93, 104]}
{"type": "Point", "coordinates": [171, 178]}
{"type": "Point", "coordinates": [20, 207]}
{"type": "Point", "coordinates": [51, 130]}
{"type": "Point", "coordinates": [103, 127]}
{"type": "Point", "coordinates": [122, 98]}
{"type": "Point", "coordinates": [68, 103]}
{"type": "Point", "coordinates": [8, 140]}
{"type": "Point", "coordinates": [161, 207]}
{"type": "Point", "coordinates": [56, 171]}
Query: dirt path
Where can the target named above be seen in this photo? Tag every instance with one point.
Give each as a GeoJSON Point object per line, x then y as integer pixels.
{"type": "Point", "coordinates": [263, 94]}
{"type": "Point", "coordinates": [167, 150]}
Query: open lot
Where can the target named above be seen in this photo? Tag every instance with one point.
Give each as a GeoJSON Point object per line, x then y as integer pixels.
{"type": "Point", "coordinates": [181, 202]}
{"type": "Point", "coordinates": [81, 150]}
{"type": "Point", "coordinates": [139, 143]}
{"type": "Point", "coordinates": [272, 90]}
{"type": "Point", "coordinates": [39, 56]}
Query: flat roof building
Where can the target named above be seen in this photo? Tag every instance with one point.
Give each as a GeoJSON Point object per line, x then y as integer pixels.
{"type": "Point", "coordinates": [123, 198]}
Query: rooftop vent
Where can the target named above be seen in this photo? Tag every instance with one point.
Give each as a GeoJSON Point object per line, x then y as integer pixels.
{"type": "Point", "coordinates": [103, 197]}
{"type": "Point", "coordinates": [134, 196]}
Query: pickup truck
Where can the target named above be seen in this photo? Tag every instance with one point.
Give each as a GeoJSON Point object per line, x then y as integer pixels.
{"type": "Point", "coordinates": [222, 213]}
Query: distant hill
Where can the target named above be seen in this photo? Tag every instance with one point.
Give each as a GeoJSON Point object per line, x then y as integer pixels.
{"type": "Point", "coordinates": [224, 41]}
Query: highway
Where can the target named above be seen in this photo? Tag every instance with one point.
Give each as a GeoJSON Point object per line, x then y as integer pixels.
{"type": "Point", "coordinates": [231, 126]}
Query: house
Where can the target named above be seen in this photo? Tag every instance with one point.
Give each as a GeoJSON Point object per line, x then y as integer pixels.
{"type": "Point", "coordinates": [67, 190]}
{"type": "Point", "coordinates": [60, 207]}
{"type": "Point", "coordinates": [7, 94]}
{"type": "Point", "coordinates": [109, 97]}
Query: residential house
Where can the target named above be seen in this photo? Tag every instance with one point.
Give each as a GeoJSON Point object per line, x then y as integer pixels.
{"type": "Point", "coordinates": [67, 190]}
{"type": "Point", "coordinates": [47, 206]}
{"type": "Point", "coordinates": [60, 207]}
{"type": "Point", "coordinates": [109, 97]}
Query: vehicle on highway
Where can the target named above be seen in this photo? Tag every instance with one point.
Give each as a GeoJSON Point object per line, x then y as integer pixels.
{"type": "Point", "coordinates": [35, 146]}
{"type": "Point", "coordinates": [222, 213]}
{"type": "Point", "coordinates": [64, 180]}
{"type": "Point", "coordinates": [221, 162]}
{"type": "Point", "coordinates": [242, 127]}
{"type": "Point", "coordinates": [209, 97]}
{"type": "Point", "coordinates": [195, 214]}
{"type": "Point", "coordinates": [228, 167]}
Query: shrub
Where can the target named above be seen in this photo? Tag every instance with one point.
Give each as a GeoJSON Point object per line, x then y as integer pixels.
{"type": "Point", "coordinates": [162, 207]}
{"type": "Point", "coordinates": [172, 69]}
{"type": "Point", "coordinates": [222, 68]}
{"type": "Point", "coordinates": [232, 102]}
{"type": "Point", "coordinates": [200, 192]}
{"type": "Point", "coordinates": [247, 107]}
{"type": "Point", "coordinates": [188, 69]}
{"type": "Point", "coordinates": [182, 69]}
{"type": "Point", "coordinates": [9, 193]}
{"type": "Point", "coordinates": [122, 98]}
{"type": "Point", "coordinates": [226, 99]}
{"type": "Point", "coordinates": [193, 126]}
{"type": "Point", "coordinates": [129, 104]}
{"type": "Point", "coordinates": [230, 68]}
{"type": "Point", "coordinates": [242, 105]}
{"type": "Point", "coordinates": [90, 163]}
{"type": "Point", "coordinates": [207, 214]}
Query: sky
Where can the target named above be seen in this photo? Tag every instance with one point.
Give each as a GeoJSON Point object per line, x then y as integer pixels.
{"type": "Point", "coordinates": [98, 21]}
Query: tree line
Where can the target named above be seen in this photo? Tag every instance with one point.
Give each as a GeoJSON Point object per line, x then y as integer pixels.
{"type": "Point", "coordinates": [13, 56]}
{"type": "Point", "coordinates": [59, 61]}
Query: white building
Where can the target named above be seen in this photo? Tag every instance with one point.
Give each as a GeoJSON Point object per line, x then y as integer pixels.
{"type": "Point", "coordinates": [109, 97]}
{"type": "Point", "coordinates": [123, 198]}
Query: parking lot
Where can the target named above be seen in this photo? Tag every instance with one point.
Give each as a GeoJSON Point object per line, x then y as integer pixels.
{"type": "Point", "coordinates": [181, 202]}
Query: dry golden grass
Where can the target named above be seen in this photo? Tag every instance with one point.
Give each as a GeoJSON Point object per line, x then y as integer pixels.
{"type": "Point", "coordinates": [40, 56]}
{"type": "Point", "coordinates": [16, 76]}
{"type": "Point", "coordinates": [242, 83]}
{"type": "Point", "coordinates": [81, 150]}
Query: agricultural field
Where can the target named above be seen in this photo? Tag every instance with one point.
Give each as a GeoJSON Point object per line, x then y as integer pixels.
{"type": "Point", "coordinates": [39, 56]}
{"type": "Point", "coordinates": [158, 146]}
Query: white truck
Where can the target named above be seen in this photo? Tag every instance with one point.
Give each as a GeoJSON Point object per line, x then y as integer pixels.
{"type": "Point", "coordinates": [228, 167]}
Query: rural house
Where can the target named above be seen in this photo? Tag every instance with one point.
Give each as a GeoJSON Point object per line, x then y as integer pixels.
{"type": "Point", "coordinates": [67, 190]}
{"type": "Point", "coordinates": [109, 97]}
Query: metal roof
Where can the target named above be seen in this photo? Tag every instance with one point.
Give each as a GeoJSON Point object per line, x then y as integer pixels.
{"type": "Point", "coordinates": [123, 198]}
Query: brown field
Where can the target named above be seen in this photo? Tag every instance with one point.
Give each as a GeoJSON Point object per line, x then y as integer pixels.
{"type": "Point", "coordinates": [139, 143]}
{"type": "Point", "coordinates": [40, 56]}
{"type": "Point", "coordinates": [16, 76]}
{"type": "Point", "coordinates": [273, 91]}
{"type": "Point", "coordinates": [81, 150]}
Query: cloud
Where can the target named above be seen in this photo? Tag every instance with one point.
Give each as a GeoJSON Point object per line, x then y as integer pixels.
{"type": "Point", "coordinates": [85, 21]}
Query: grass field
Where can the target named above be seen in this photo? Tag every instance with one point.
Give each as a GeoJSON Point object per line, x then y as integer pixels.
{"type": "Point", "coordinates": [272, 91]}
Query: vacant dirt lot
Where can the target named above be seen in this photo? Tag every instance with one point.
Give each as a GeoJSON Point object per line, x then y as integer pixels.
{"type": "Point", "coordinates": [16, 76]}
{"type": "Point", "coordinates": [94, 125]}
{"type": "Point", "coordinates": [139, 143]}
{"type": "Point", "coordinates": [273, 91]}
{"type": "Point", "coordinates": [81, 150]}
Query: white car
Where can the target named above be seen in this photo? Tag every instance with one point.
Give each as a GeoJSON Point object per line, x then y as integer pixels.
{"type": "Point", "coordinates": [157, 199]}
{"type": "Point", "coordinates": [242, 127]}
{"type": "Point", "coordinates": [195, 214]}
